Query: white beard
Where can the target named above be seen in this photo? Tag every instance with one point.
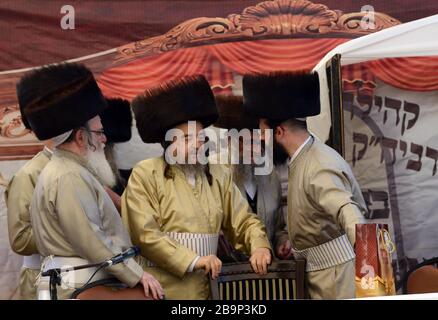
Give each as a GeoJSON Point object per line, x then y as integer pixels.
{"type": "Point", "coordinates": [98, 162]}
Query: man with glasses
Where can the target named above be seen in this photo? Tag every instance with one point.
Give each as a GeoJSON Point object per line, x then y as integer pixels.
{"type": "Point", "coordinates": [73, 218]}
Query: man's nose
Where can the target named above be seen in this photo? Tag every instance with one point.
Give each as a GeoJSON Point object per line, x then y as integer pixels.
{"type": "Point", "coordinates": [103, 138]}
{"type": "Point", "coordinates": [198, 143]}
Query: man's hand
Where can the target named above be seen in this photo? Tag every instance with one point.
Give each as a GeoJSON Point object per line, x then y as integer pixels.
{"type": "Point", "coordinates": [260, 259]}
{"type": "Point", "coordinates": [209, 263]}
{"type": "Point", "coordinates": [151, 286]}
{"type": "Point", "coordinates": [284, 250]}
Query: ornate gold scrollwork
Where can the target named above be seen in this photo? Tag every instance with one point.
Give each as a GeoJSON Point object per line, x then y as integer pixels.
{"type": "Point", "coordinates": [266, 20]}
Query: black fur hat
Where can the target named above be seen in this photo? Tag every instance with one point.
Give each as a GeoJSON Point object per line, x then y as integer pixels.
{"type": "Point", "coordinates": [172, 103]}
{"type": "Point", "coordinates": [117, 120]}
{"type": "Point", "coordinates": [281, 95]}
{"type": "Point", "coordinates": [58, 98]}
{"type": "Point", "coordinates": [23, 116]}
{"type": "Point", "coordinates": [232, 115]}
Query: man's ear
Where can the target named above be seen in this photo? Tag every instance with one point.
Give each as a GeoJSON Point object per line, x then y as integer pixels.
{"type": "Point", "coordinates": [279, 131]}
{"type": "Point", "coordinates": [80, 138]}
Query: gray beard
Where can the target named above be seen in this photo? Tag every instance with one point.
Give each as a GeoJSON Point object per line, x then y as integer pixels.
{"type": "Point", "coordinates": [100, 165]}
{"type": "Point", "coordinates": [188, 169]}
{"type": "Point", "coordinates": [240, 171]}
{"type": "Point", "coordinates": [244, 169]}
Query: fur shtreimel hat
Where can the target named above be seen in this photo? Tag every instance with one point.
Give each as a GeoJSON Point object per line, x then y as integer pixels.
{"type": "Point", "coordinates": [23, 116]}
{"type": "Point", "coordinates": [59, 98]}
{"type": "Point", "coordinates": [281, 95]}
{"type": "Point", "coordinates": [117, 120]}
{"type": "Point", "coordinates": [232, 115]}
{"type": "Point", "coordinates": [172, 103]}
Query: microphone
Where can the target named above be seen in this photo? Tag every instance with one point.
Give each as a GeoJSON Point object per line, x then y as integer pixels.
{"type": "Point", "coordinates": [127, 254]}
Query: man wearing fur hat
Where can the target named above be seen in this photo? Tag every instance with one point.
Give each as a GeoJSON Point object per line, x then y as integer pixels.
{"type": "Point", "coordinates": [74, 220]}
{"type": "Point", "coordinates": [175, 211]}
{"type": "Point", "coordinates": [18, 195]}
{"type": "Point", "coordinates": [117, 122]}
{"type": "Point", "coordinates": [263, 192]}
{"type": "Point", "coordinates": [324, 199]}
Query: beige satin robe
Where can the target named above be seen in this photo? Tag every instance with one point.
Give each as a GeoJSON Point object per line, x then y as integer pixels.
{"type": "Point", "coordinates": [324, 202]}
{"type": "Point", "coordinates": [18, 196]}
{"type": "Point", "coordinates": [153, 205]}
{"type": "Point", "coordinates": [73, 216]}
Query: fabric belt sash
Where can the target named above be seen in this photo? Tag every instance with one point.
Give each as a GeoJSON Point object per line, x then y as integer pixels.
{"type": "Point", "coordinates": [203, 244]}
{"type": "Point", "coordinates": [327, 255]}
{"type": "Point", "coordinates": [32, 262]}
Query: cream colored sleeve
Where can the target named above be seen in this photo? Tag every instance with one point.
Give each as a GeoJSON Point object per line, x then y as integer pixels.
{"type": "Point", "coordinates": [331, 190]}
{"type": "Point", "coordinates": [18, 196]}
{"type": "Point", "coordinates": [140, 215]}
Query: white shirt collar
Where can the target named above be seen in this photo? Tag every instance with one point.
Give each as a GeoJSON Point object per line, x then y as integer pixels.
{"type": "Point", "coordinates": [297, 152]}
{"type": "Point", "coordinates": [250, 185]}
{"type": "Point", "coordinates": [191, 178]}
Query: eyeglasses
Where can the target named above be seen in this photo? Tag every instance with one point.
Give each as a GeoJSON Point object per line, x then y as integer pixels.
{"type": "Point", "coordinates": [98, 132]}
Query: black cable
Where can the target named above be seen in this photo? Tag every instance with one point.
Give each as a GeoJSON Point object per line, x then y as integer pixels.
{"type": "Point", "coordinates": [113, 282]}
{"type": "Point", "coordinates": [103, 265]}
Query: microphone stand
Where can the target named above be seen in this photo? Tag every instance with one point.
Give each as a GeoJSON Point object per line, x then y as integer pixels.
{"type": "Point", "coordinates": [55, 276]}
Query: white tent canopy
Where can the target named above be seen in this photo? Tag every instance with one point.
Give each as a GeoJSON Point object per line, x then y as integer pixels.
{"type": "Point", "coordinates": [412, 39]}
